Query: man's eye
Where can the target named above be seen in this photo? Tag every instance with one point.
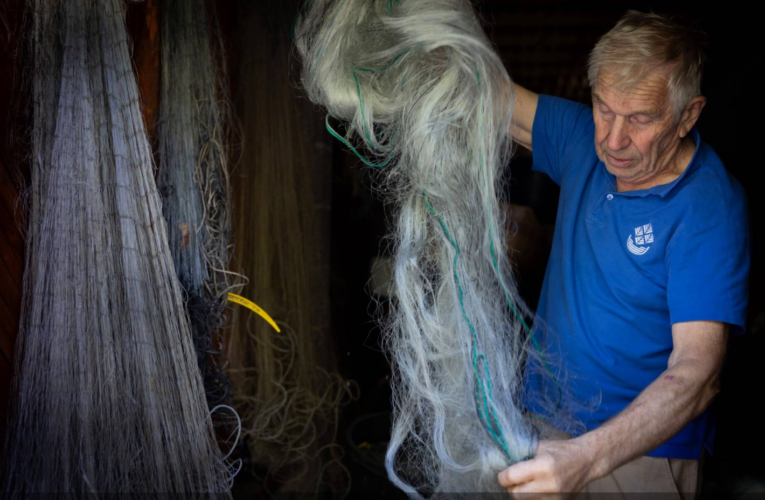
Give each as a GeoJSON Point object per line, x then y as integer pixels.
{"type": "Point", "coordinates": [605, 110]}
{"type": "Point", "coordinates": [642, 119]}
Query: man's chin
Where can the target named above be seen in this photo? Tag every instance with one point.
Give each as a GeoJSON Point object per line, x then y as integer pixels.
{"type": "Point", "coordinates": [623, 173]}
{"type": "Point", "coordinates": [619, 164]}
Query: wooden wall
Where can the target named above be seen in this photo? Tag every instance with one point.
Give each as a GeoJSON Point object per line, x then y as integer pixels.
{"type": "Point", "coordinates": [11, 171]}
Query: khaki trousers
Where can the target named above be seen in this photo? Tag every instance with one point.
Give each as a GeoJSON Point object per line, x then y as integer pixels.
{"type": "Point", "coordinates": [668, 478]}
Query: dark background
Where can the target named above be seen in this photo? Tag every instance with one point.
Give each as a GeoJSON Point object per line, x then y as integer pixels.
{"type": "Point", "coordinates": [544, 45]}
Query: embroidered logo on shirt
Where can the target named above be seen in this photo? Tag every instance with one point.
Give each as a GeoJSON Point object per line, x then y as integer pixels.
{"type": "Point", "coordinates": [643, 236]}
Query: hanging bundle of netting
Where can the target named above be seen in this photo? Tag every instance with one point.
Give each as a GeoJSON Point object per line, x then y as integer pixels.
{"type": "Point", "coordinates": [419, 85]}
{"type": "Point", "coordinates": [108, 396]}
{"type": "Point", "coordinates": [193, 177]}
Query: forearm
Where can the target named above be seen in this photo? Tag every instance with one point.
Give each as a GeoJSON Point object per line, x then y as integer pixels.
{"type": "Point", "coordinates": [680, 394]}
{"type": "Point", "coordinates": [524, 112]}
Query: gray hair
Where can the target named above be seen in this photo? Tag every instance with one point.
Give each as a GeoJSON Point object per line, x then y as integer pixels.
{"type": "Point", "coordinates": [640, 42]}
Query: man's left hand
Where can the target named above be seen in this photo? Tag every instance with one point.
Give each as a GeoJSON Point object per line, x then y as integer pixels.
{"type": "Point", "coordinates": [559, 470]}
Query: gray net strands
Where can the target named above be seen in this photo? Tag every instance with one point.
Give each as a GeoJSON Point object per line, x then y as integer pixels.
{"type": "Point", "coordinates": [418, 84]}
{"type": "Point", "coordinates": [193, 177]}
{"type": "Point", "coordinates": [286, 388]}
{"type": "Point", "coordinates": [107, 393]}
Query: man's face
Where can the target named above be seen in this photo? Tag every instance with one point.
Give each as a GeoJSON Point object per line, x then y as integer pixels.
{"type": "Point", "coordinates": [634, 131]}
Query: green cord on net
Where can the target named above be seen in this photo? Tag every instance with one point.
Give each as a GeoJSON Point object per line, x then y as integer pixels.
{"type": "Point", "coordinates": [363, 114]}
{"type": "Point", "coordinates": [354, 150]}
{"type": "Point", "coordinates": [485, 405]}
{"type": "Point", "coordinates": [508, 297]}
{"type": "Point", "coordinates": [484, 399]}
{"type": "Point", "coordinates": [337, 136]}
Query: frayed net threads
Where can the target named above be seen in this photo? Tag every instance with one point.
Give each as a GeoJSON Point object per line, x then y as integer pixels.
{"type": "Point", "coordinates": [420, 85]}
{"type": "Point", "coordinates": [193, 177]}
{"type": "Point", "coordinates": [107, 395]}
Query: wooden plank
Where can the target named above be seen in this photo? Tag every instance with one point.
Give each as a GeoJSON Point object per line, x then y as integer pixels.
{"type": "Point", "coordinates": [6, 90]}
{"type": "Point", "coordinates": [11, 262]}
{"type": "Point", "coordinates": [10, 292]}
{"type": "Point", "coordinates": [6, 378]}
{"type": "Point", "coordinates": [11, 244]}
{"type": "Point", "coordinates": [9, 328]}
{"type": "Point", "coordinates": [10, 234]}
{"type": "Point", "coordinates": [143, 27]}
{"type": "Point", "coordinates": [10, 240]}
{"type": "Point", "coordinates": [9, 190]}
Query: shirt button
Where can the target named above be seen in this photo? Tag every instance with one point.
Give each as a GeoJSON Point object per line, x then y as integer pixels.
{"type": "Point", "coordinates": [609, 197]}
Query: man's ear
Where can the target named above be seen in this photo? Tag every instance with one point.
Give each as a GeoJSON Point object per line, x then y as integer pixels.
{"type": "Point", "coordinates": [691, 115]}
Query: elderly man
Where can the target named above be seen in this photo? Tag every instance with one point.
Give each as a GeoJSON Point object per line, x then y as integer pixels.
{"type": "Point", "coordinates": [648, 271]}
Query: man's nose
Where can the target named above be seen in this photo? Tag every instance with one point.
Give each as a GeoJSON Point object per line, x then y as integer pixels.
{"type": "Point", "coordinates": [618, 136]}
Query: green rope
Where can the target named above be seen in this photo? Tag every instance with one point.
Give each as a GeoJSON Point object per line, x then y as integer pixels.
{"type": "Point", "coordinates": [363, 114]}
{"type": "Point", "coordinates": [486, 412]}
{"type": "Point", "coordinates": [508, 297]}
{"type": "Point", "coordinates": [366, 130]}
{"type": "Point", "coordinates": [354, 150]}
{"type": "Point", "coordinates": [485, 405]}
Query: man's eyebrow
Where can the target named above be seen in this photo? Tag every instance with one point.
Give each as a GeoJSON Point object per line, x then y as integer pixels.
{"type": "Point", "coordinates": [596, 98]}
{"type": "Point", "coordinates": [651, 113]}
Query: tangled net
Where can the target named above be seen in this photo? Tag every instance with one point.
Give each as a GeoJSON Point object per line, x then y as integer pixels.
{"type": "Point", "coordinates": [107, 394]}
{"type": "Point", "coordinates": [419, 85]}
{"type": "Point", "coordinates": [193, 178]}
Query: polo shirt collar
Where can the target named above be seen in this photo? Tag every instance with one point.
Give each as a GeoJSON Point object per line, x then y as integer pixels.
{"type": "Point", "coordinates": [661, 190]}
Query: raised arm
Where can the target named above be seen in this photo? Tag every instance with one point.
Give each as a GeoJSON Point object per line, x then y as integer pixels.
{"type": "Point", "coordinates": [523, 115]}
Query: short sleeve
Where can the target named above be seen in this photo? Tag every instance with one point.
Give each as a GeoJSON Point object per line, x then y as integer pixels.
{"type": "Point", "coordinates": [561, 129]}
{"type": "Point", "coordinates": [708, 269]}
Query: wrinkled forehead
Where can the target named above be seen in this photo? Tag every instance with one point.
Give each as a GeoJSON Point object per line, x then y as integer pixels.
{"type": "Point", "coordinates": [633, 89]}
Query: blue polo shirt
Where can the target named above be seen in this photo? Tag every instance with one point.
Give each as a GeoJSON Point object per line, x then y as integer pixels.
{"type": "Point", "coordinates": [625, 266]}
